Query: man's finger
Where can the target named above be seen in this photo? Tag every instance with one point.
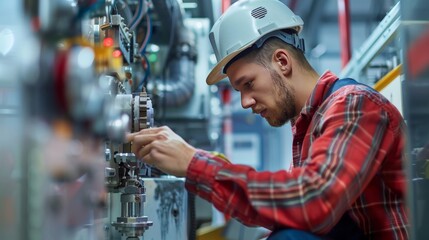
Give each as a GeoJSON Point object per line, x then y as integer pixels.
{"type": "Point", "coordinates": [144, 155]}
{"type": "Point", "coordinates": [130, 136]}
{"type": "Point", "coordinates": [154, 130]}
{"type": "Point", "coordinates": [144, 139]}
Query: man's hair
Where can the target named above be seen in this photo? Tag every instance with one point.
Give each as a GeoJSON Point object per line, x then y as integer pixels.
{"type": "Point", "coordinates": [263, 55]}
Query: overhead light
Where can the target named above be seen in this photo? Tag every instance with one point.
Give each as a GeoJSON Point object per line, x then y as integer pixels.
{"type": "Point", "coordinates": [190, 5]}
{"type": "Point", "coordinates": [153, 48]}
{"type": "Point", "coordinates": [7, 40]}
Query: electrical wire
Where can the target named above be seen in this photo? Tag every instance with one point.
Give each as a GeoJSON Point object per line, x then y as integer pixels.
{"type": "Point", "coordinates": [133, 19]}
{"type": "Point", "coordinates": [142, 49]}
{"type": "Point", "coordinates": [174, 14]}
{"type": "Point", "coordinates": [148, 35]}
{"type": "Point", "coordinates": [139, 16]}
{"type": "Point", "coordinates": [146, 74]}
{"type": "Point", "coordinates": [125, 8]}
{"type": "Point", "coordinates": [114, 9]}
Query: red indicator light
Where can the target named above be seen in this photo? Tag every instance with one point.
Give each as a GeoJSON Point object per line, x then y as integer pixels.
{"type": "Point", "coordinates": [117, 53]}
{"type": "Point", "coordinates": [108, 42]}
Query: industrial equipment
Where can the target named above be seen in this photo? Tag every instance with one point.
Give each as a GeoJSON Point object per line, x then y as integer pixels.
{"type": "Point", "coordinates": [76, 76]}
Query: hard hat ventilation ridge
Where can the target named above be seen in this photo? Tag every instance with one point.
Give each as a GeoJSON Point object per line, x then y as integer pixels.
{"type": "Point", "coordinates": [259, 12]}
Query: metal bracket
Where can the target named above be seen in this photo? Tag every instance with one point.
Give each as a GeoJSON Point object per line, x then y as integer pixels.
{"type": "Point", "coordinates": [381, 36]}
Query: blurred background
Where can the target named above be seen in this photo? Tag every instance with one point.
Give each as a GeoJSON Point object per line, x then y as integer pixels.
{"type": "Point", "coordinates": [76, 75]}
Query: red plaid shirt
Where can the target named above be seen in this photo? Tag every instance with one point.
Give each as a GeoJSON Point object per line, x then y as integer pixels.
{"type": "Point", "coordinates": [347, 157]}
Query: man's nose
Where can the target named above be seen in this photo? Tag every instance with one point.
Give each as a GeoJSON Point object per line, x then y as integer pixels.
{"type": "Point", "coordinates": [247, 101]}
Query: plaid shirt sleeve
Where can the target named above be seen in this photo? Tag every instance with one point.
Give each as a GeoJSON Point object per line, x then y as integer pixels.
{"type": "Point", "coordinates": [345, 150]}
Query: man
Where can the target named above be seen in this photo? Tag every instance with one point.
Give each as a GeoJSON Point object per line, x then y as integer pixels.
{"type": "Point", "coordinates": [347, 148]}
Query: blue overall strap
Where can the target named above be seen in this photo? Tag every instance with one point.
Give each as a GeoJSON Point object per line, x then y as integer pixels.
{"type": "Point", "coordinates": [341, 83]}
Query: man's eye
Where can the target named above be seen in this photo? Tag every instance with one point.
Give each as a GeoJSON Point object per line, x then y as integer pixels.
{"type": "Point", "coordinates": [249, 84]}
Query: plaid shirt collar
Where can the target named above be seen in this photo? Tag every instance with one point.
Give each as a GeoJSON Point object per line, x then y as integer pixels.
{"type": "Point", "coordinates": [314, 101]}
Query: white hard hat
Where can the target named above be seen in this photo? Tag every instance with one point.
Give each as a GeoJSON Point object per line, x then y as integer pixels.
{"type": "Point", "coordinates": [243, 24]}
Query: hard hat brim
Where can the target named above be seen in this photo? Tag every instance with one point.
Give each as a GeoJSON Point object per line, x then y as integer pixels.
{"type": "Point", "coordinates": [216, 74]}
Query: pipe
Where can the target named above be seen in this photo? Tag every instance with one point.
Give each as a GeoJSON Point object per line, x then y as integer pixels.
{"type": "Point", "coordinates": [225, 5]}
{"type": "Point", "coordinates": [388, 78]}
{"type": "Point", "coordinates": [179, 84]}
{"type": "Point", "coordinates": [344, 27]}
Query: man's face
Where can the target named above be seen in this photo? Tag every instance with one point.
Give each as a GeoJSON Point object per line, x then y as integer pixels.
{"type": "Point", "coordinates": [264, 90]}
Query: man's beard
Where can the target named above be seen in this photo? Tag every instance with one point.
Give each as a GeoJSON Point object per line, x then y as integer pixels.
{"type": "Point", "coordinates": [285, 100]}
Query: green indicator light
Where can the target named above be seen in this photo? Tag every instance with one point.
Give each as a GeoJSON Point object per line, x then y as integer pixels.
{"type": "Point", "coordinates": [153, 58]}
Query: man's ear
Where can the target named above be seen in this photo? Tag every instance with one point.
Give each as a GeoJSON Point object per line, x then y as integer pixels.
{"type": "Point", "coordinates": [282, 60]}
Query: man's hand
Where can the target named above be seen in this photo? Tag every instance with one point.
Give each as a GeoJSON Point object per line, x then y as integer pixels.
{"type": "Point", "coordinates": [163, 149]}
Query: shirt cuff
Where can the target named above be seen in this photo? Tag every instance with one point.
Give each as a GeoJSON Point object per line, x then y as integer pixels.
{"type": "Point", "coordinates": [202, 170]}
